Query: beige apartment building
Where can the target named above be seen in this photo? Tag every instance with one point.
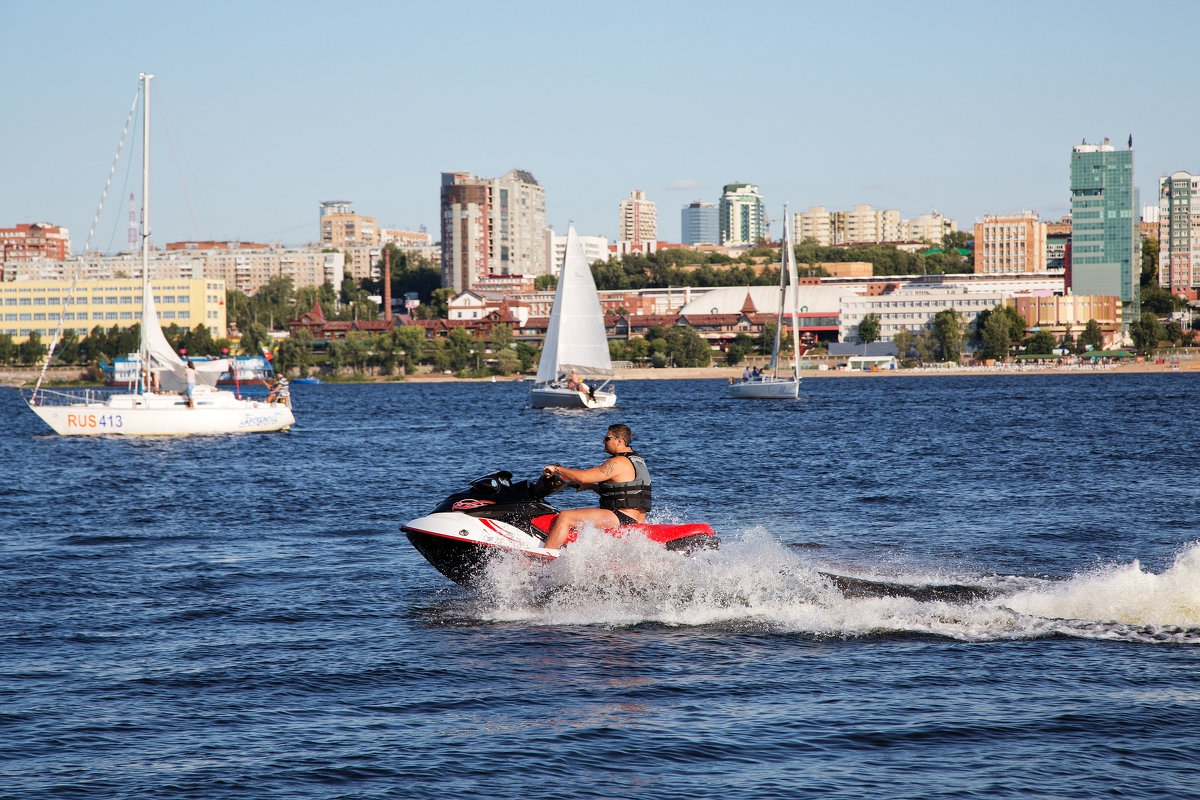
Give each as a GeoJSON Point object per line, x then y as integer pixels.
{"type": "Point", "coordinates": [1059, 314]}
{"type": "Point", "coordinates": [37, 306]}
{"type": "Point", "coordinates": [866, 225]}
{"type": "Point", "coordinates": [405, 240]}
{"type": "Point", "coordinates": [1010, 243]}
{"type": "Point", "coordinates": [491, 226]}
{"type": "Point", "coordinates": [243, 268]}
{"type": "Point", "coordinates": [931, 227]}
{"type": "Point", "coordinates": [813, 224]}
{"type": "Point", "coordinates": [639, 219]}
{"type": "Point", "coordinates": [341, 227]}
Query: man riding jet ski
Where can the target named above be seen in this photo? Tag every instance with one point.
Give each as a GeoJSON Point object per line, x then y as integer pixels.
{"type": "Point", "coordinates": [622, 481]}
{"type": "Point", "coordinates": [495, 515]}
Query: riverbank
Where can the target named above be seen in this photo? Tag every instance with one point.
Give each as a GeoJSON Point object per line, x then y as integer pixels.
{"type": "Point", "coordinates": [19, 377]}
{"type": "Point", "coordinates": [735, 373]}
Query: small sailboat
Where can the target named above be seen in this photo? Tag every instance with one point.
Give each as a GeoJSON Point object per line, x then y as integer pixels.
{"type": "Point", "coordinates": [575, 370]}
{"type": "Point", "coordinates": [771, 384]}
{"type": "Point", "coordinates": [155, 405]}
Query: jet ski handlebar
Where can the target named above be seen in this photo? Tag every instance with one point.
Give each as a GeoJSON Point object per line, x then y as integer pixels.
{"type": "Point", "coordinates": [501, 482]}
{"type": "Point", "coordinates": [546, 485]}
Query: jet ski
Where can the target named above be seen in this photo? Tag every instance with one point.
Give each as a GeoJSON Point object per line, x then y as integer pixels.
{"type": "Point", "coordinates": [497, 515]}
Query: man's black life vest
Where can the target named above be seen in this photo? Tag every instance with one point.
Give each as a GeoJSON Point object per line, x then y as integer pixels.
{"type": "Point", "coordinates": [629, 494]}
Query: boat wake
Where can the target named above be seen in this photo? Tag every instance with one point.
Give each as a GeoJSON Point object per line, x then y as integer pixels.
{"type": "Point", "coordinates": [757, 584]}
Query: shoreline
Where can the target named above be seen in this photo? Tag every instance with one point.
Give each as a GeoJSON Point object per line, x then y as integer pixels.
{"type": "Point", "coordinates": [726, 373]}
{"type": "Point", "coordinates": [16, 378]}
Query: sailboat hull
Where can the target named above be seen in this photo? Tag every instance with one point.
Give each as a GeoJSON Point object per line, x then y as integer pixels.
{"type": "Point", "coordinates": [767, 388]}
{"type": "Point", "coordinates": [215, 412]}
{"type": "Point", "coordinates": [544, 396]}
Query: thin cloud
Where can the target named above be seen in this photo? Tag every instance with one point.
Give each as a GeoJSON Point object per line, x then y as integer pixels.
{"type": "Point", "coordinates": [684, 185]}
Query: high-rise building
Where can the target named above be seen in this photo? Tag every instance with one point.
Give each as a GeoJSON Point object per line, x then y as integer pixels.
{"type": "Point", "coordinates": [816, 224]}
{"type": "Point", "coordinates": [698, 224]}
{"type": "Point", "coordinates": [743, 216]}
{"type": "Point", "coordinates": [864, 225]}
{"type": "Point", "coordinates": [1179, 234]}
{"type": "Point", "coordinates": [1105, 257]}
{"type": "Point", "coordinates": [1012, 243]}
{"type": "Point", "coordinates": [931, 227]}
{"type": "Point", "coordinates": [341, 227]}
{"type": "Point", "coordinates": [492, 226]}
{"type": "Point", "coordinates": [38, 241]}
{"type": "Point", "coordinates": [639, 219]}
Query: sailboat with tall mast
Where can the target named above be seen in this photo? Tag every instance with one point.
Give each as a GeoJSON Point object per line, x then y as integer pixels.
{"type": "Point", "coordinates": [575, 369]}
{"type": "Point", "coordinates": [776, 385]}
{"type": "Point", "coordinates": [155, 405]}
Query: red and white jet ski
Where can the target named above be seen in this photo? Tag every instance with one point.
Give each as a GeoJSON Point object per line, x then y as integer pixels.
{"type": "Point", "coordinates": [496, 515]}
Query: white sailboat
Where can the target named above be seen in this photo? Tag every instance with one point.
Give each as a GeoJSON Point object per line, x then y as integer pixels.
{"type": "Point", "coordinates": [575, 341]}
{"type": "Point", "coordinates": [771, 384]}
{"type": "Point", "coordinates": [155, 406]}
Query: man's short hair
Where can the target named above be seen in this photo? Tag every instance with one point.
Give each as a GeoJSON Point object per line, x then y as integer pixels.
{"type": "Point", "coordinates": [621, 431]}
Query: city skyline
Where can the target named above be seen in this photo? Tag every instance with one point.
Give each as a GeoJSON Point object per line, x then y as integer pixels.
{"type": "Point", "coordinates": [263, 112]}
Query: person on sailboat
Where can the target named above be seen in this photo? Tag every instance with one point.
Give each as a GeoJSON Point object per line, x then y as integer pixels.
{"type": "Point", "coordinates": [190, 375]}
{"type": "Point", "coordinates": [278, 388]}
{"type": "Point", "coordinates": [623, 483]}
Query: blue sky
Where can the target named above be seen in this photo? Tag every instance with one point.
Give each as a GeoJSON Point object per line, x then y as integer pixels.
{"type": "Point", "coordinates": [269, 108]}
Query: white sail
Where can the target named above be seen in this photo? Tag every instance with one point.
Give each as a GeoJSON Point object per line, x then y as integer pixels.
{"type": "Point", "coordinates": [156, 350]}
{"type": "Point", "coordinates": [575, 338]}
{"type": "Point", "coordinates": [774, 385]}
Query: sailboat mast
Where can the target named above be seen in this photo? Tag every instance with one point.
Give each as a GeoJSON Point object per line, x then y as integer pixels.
{"type": "Point", "coordinates": [144, 378]}
{"type": "Point", "coordinates": [779, 316]}
{"type": "Point", "coordinates": [794, 279]}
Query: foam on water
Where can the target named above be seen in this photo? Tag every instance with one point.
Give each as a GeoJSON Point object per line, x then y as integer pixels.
{"type": "Point", "coordinates": [755, 583]}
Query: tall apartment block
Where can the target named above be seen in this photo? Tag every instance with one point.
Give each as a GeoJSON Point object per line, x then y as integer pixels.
{"type": "Point", "coordinates": [816, 223]}
{"type": "Point", "coordinates": [1179, 234]}
{"type": "Point", "coordinates": [866, 225]}
{"type": "Point", "coordinates": [931, 227]}
{"type": "Point", "coordinates": [38, 241]}
{"type": "Point", "coordinates": [639, 219]}
{"type": "Point", "coordinates": [743, 216]}
{"type": "Point", "coordinates": [1105, 256]}
{"type": "Point", "coordinates": [492, 226]}
{"type": "Point", "coordinates": [1008, 244]}
{"type": "Point", "coordinates": [698, 224]}
{"type": "Point", "coordinates": [341, 227]}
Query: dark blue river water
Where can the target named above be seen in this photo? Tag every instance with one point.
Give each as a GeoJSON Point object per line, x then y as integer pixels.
{"type": "Point", "coordinates": [240, 617]}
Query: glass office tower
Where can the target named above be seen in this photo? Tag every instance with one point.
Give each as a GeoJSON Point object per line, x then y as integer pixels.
{"type": "Point", "coordinates": [698, 224]}
{"type": "Point", "coordinates": [1105, 211]}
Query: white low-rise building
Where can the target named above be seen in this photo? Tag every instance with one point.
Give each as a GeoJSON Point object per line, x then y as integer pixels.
{"type": "Point", "coordinates": [595, 248]}
{"type": "Point", "coordinates": [912, 308]}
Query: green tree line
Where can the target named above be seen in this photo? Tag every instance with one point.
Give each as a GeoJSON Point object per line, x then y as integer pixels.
{"type": "Point", "coordinates": [755, 267]}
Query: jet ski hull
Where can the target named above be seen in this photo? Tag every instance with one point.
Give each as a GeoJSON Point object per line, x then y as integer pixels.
{"type": "Point", "coordinates": [460, 546]}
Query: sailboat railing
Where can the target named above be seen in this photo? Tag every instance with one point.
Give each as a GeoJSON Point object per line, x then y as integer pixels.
{"type": "Point", "coordinates": [41, 396]}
